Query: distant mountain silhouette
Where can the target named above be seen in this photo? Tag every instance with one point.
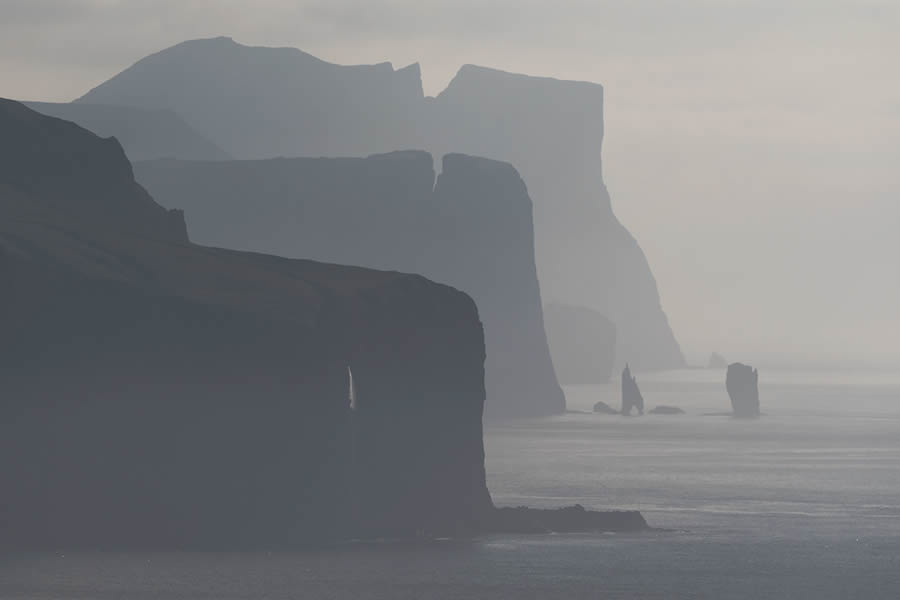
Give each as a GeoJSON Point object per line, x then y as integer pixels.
{"type": "Point", "coordinates": [268, 102]}
{"type": "Point", "coordinates": [158, 393]}
{"type": "Point", "coordinates": [717, 361]}
{"type": "Point", "coordinates": [582, 343]}
{"type": "Point", "coordinates": [470, 228]}
{"type": "Point", "coordinates": [143, 133]}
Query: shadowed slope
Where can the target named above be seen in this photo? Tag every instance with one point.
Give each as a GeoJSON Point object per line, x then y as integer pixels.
{"type": "Point", "coordinates": [155, 392]}
{"type": "Point", "coordinates": [143, 133]}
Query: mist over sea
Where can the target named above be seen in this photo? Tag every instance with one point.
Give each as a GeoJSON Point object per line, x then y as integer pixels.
{"type": "Point", "coordinates": [802, 503]}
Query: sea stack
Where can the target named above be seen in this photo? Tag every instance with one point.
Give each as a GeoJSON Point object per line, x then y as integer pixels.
{"type": "Point", "coordinates": [631, 395]}
{"type": "Point", "coordinates": [742, 383]}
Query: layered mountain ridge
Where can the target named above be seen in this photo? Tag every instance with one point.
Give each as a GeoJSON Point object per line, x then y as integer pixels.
{"type": "Point", "coordinates": [470, 227]}
{"type": "Point", "coordinates": [267, 102]}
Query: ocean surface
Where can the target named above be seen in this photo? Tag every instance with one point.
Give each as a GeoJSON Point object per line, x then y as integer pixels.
{"type": "Point", "coordinates": [801, 503]}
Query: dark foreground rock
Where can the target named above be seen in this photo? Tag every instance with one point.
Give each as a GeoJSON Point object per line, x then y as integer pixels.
{"type": "Point", "coordinates": [742, 383]}
{"type": "Point", "coordinates": [562, 520]}
{"type": "Point", "coordinates": [604, 408]}
{"type": "Point", "coordinates": [156, 393]}
{"type": "Point", "coordinates": [666, 410]}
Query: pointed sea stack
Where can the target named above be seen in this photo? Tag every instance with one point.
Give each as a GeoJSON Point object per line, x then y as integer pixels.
{"type": "Point", "coordinates": [742, 383]}
{"type": "Point", "coordinates": [631, 395]}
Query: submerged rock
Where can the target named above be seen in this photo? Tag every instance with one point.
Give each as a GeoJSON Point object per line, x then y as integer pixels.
{"type": "Point", "coordinates": [604, 408]}
{"type": "Point", "coordinates": [662, 409]}
{"type": "Point", "coordinates": [742, 383]}
{"type": "Point", "coordinates": [631, 395]}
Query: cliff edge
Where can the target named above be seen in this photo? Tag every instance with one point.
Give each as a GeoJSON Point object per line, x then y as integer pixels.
{"type": "Point", "coordinates": [159, 393]}
{"type": "Point", "coordinates": [470, 228]}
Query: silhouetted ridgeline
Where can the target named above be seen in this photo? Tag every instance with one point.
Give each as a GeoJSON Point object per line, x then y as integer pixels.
{"type": "Point", "coordinates": [143, 133]}
{"type": "Point", "coordinates": [551, 130]}
{"type": "Point", "coordinates": [472, 230]}
{"type": "Point", "coordinates": [265, 102]}
{"type": "Point", "coordinates": [157, 392]}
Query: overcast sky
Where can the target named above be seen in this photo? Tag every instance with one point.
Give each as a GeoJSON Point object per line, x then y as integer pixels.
{"type": "Point", "coordinates": [752, 146]}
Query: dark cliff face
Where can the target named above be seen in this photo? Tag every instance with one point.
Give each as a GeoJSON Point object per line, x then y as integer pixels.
{"type": "Point", "coordinates": [550, 130]}
{"type": "Point", "coordinates": [155, 392]}
{"type": "Point", "coordinates": [144, 134]}
{"type": "Point", "coordinates": [582, 343]}
{"type": "Point", "coordinates": [472, 229]}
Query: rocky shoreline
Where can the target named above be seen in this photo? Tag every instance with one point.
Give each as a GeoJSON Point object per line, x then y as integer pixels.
{"type": "Point", "coordinates": [570, 519]}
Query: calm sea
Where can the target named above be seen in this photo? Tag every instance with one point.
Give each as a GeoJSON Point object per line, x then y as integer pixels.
{"type": "Point", "coordinates": [802, 503]}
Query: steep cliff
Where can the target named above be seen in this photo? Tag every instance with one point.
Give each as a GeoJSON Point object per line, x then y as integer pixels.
{"type": "Point", "coordinates": [582, 343]}
{"type": "Point", "coordinates": [155, 392]}
{"type": "Point", "coordinates": [50, 161]}
{"type": "Point", "coordinates": [267, 102]}
{"type": "Point", "coordinates": [552, 131]}
{"type": "Point", "coordinates": [472, 229]}
{"type": "Point", "coordinates": [144, 133]}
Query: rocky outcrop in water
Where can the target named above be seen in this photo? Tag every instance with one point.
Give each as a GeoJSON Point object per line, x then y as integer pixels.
{"type": "Point", "coordinates": [742, 383]}
{"type": "Point", "coordinates": [631, 395]}
{"type": "Point", "coordinates": [604, 408]}
{"type": "Point", "coordinates": [582, 343]}
{"type": "Point", "coordinates": [521, 519]}
{"type": "Point", "coordinates": [551, 130]}
{"type": "Point", "coordinates": [470, 228]}
{"type": "Point", "coordinates": [158, 393]}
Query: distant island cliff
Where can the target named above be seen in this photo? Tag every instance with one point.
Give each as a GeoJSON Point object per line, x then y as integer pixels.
{"type": "Point", "coordinates": [550, 130]}
{"type": "Point", "coordinates": [160, 393]}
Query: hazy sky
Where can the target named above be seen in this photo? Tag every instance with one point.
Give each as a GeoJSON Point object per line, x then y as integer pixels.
{"type": "Point", "coordinates": [752, 146]}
